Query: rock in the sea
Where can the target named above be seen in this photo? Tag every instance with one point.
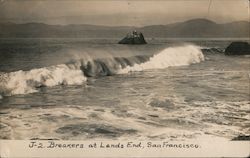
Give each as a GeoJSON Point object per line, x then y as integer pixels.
{"type": "Point", "coordinates": [133, 38]}
{"type": "Point", "coordinates": [238, 48]}
{"type": "Point", "coordinates": [242, 138]}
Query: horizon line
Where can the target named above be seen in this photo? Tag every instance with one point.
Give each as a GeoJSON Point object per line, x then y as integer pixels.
{"type": "Point", "coordinates": [205, 19]}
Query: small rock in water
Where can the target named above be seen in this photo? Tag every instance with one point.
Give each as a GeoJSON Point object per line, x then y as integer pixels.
{"type": "Point", "coordinates": [153, 115]}
{"type": "Point", "coordinates": [242, 137]}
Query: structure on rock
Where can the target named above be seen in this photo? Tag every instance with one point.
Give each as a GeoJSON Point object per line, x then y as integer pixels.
{"type": "Point", "coordinates": [133, 38]}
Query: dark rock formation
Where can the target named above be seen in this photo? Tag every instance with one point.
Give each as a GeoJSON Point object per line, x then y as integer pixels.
{"type": "Point", "coordinates": [242, 138]}
{"type": "Point", "coordinates": [134, 38]}
{"type": "Point", "coordinates": [238, 48]}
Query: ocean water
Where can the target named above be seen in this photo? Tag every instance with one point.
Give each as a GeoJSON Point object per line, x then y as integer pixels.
{"type": "Point", "coordinates": [85, 89]}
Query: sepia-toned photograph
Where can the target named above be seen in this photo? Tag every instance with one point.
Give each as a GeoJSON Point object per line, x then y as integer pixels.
{"type": "Point", "coordinates": [117, 70]}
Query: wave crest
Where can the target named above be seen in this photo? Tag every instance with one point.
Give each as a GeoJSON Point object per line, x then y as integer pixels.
{"type": "Point", "coordinates": [173, 56]}
{"type": "Point", "coordinates": [76, 73]}
{"type": "Point", "coordinates": [23, 82]}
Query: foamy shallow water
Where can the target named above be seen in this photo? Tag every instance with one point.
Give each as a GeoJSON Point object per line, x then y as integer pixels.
{"type": "Point", "coordinates": [207, 100]}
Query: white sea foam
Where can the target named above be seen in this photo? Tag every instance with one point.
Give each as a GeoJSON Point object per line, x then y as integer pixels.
{"type": "Point", "coordinates": [173, 56]}
{"type": "Point", "coordinates": [23, 82]}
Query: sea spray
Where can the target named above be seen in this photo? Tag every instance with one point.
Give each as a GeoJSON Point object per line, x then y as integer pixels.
{"type": "Point", "coordinates": [173, 56]}
{"type": "Point", "coordinates": [76, 72]}
{"type": "Point", "coordinates": [23, 82]}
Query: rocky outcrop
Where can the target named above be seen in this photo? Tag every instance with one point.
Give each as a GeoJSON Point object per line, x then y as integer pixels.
{"type": "Point", "coordinates": [242, 138]}
{"type": "Point", "coordinates": [238, 48]}
{"type": "Point", "coordinates": [134, 38]}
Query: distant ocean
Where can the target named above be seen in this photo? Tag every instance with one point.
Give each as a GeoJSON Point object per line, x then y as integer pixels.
{"type": "Point", "coordinates": [82, 89]}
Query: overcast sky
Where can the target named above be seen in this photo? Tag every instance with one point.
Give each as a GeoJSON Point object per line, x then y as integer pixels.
{"type": "Point", "coordinates": [121, 12]}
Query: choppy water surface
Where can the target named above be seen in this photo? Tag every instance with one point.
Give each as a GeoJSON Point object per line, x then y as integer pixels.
{"type": "Point", "coordinates": [169, 91]}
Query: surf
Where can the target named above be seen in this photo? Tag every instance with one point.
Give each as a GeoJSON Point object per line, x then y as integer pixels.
{"type": "Point", "coordinates": [173, 56]}
{"type": "Point", "coordinates": [24, 82]}
{"type": "Point", "coordinates": [77, 72]}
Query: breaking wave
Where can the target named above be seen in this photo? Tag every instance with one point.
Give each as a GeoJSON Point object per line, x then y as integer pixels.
{"type": "Point", "coordinates": [175, 56]}
{"type": "Point", "coordinates": [23, 82]}
{"type": "Point", "coordinates": [77, 72]}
